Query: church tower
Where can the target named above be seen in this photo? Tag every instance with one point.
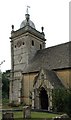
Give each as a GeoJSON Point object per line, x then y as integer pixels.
{"type": "Point", "coordinates": [25, 42]}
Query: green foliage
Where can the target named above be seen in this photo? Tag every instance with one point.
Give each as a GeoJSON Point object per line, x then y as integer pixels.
{"type": "Point", "coordinates": [62, 100]}
{"type": "Point", "coordinates": [5, 87]}
{"type": "Point", "coordinates": [69, 103]}
{"type": "Point", "coordinates": [5, 103]}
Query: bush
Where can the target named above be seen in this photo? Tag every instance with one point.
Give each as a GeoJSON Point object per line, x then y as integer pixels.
{"type": "Point", "coordinates": [5, 87]}
{"type": "Point", "coordinates": [62, 100]}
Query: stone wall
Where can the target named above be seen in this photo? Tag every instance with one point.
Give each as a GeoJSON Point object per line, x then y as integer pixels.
{"type": "Point", "coordinates": [28, 80]}
{"type": "Point", "coordinates": [15, 88]}
{"type": "Point", "coordinates": [65, 77]}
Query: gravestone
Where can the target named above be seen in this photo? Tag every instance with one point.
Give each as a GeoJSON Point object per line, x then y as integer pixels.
{"type": "Point", "coordinates": [26, 112]}
{"type": "Point", "coordinates": [61, 117]}
{"type": "Point", "coordinates": [7, 116]}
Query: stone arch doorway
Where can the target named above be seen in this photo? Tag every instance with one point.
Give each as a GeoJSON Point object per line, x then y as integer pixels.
{"type": "Point", "coordinates": [43, 96]}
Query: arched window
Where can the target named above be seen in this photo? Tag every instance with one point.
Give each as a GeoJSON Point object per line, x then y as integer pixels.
{"type": "Point", "coordinates": [15, 46]}
{"type": "Point", "coordinates": [40, 46]}
{"type": "Point", "coordinates": [23, 43]}
{"type": "Point", "coordinates": [32, 43]}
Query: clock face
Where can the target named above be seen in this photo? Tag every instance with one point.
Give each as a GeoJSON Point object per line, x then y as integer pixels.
{"type": "Point", "coordinates": [19, 58]}
{"type": "Point", "coordinates": [19, 43]}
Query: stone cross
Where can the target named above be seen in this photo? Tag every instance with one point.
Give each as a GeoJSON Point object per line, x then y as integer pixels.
{"type": "Point", "coordinates": [27, 9]}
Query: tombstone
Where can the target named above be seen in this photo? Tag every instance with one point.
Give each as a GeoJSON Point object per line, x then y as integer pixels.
{"type": "Point", "coordinates": [7, 116]}
{"type": "Point", "coordinates": [26, 112]}
{"type": "Point", "coordinates": [61, 117]}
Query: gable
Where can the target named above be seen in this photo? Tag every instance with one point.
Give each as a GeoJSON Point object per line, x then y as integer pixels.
{"type": "Point", "coordinates": [41, 81]}
{"type": "Point", "coordinates": [47, 79]}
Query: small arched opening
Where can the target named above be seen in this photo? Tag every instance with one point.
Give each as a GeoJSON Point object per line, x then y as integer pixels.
{"type": "Point", "coordinates": [43, 99]}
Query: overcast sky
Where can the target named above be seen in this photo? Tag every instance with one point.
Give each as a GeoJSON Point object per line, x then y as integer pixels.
{"type": "Point", "coordinates": [52, 14]}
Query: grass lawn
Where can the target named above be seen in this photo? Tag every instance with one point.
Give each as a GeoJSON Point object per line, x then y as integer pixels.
{"type": "Point", "coordinates": [0, 116]}
{"type": "Point", "coordinates": [35, 115]}
{"type": "Point", "coordinates": [42, 115]}
{"type": "Point", "coordinates": [20, 114]}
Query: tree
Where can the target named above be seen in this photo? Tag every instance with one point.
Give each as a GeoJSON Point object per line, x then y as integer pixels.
{"type": "Point", "coordinates": [5, 82]}
{"type": "Point", "coordinates": [62, 100]}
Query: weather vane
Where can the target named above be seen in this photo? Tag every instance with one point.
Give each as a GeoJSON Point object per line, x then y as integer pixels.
{"type": "Point", "coordinates": [27, 11]}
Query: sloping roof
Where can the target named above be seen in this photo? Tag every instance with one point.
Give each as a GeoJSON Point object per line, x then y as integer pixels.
{"type": "Point", "coordinates": [53, 78]}
{"type": "Point", "coordinates": [56, 57]}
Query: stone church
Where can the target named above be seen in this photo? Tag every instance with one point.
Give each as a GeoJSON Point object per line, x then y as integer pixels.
{"type": "Point", "coordinates": [36, 70]}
